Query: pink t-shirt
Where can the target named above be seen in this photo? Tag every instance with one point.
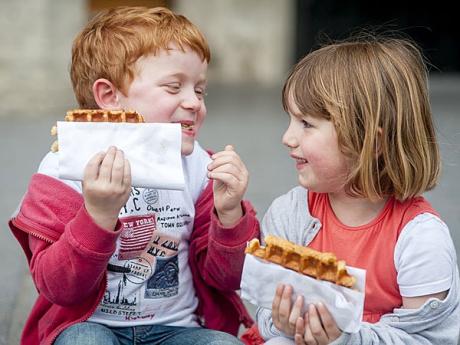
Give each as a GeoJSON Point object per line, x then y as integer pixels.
{"type": "Point", "coordinates": [370, 246]}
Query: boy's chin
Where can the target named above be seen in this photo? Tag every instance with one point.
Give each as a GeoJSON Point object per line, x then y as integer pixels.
{"type": "Point", "coordinates": [187, 148]}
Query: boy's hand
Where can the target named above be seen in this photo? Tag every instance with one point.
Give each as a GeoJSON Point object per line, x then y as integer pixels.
{"type": "Point", "coordinates": [284, 314]}
{"type": "Point", "coordinates": [317, 327]}
{"type": "Point", "coordinates": [230, 182]}
{"type": "Point", "coordinates": [106, 186]}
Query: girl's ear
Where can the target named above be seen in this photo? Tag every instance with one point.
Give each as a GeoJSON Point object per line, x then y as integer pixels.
{"type": "Point", "coordinates": [105, 94]}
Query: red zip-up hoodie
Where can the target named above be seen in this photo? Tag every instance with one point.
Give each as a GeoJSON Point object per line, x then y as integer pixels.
{"type": "Point", "coordinates": [68, 256]}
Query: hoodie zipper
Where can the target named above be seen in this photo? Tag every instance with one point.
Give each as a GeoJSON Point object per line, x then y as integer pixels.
{"type": "Point", "coordinates": [28, 229]}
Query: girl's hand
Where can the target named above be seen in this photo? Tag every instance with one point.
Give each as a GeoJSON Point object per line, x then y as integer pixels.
{"type": "Point", "coordinates": [230, 182]}
{"type": "Point", "coordinates": [106, 186]}
{"type": "Point", "coordinates": [284, 314]}
{"type": "Point", "coordinates": [317, 327]}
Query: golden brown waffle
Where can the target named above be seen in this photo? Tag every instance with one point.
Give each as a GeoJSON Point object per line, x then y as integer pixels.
{"type": "Point", "coordinates": [304, 260]}
{"type": "Point", "coordinates": [97, 115]}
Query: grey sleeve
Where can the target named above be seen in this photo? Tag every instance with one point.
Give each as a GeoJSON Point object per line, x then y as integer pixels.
{"type": "Point", "coordinates": [288, 217]}
{"type": "Point", "coordinates": [435, 322]}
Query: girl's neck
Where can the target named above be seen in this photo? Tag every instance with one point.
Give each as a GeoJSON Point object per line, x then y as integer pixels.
{"type": "Point", "coordinates": [352, 211]}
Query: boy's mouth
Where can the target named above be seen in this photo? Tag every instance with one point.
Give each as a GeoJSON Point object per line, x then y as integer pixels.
{"type": "Point", "coordinates": [187, 126]}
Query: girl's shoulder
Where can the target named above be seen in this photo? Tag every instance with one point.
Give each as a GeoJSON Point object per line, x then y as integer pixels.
{"type": "Point", "coordinates": [288, 217]}
{"type": "Point", "coordinates": [424, 256]}
{"type": "Point", "coordinates": [290, 204]}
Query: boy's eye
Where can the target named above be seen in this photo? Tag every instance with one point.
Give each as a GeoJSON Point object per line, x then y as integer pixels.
{"type": "Point", "coordinates": [200, 93]}
{"type": "Point", "coordinates": [173, 88]}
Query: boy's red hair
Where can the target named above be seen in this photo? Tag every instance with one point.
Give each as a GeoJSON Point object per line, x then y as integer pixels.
{"type": "Point", "coordinates": [111, 43]}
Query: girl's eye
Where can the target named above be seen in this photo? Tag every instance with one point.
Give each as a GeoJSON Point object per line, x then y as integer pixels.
{"type": "Point", "coordinates": [306, 124]}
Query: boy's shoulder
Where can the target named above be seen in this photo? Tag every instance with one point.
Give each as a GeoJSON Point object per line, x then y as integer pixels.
{"type": "Point", "coordinates": [50, 166]}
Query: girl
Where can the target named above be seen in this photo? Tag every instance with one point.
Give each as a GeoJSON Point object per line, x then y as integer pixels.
{"type": "Point", "coordinates": [363, 141]}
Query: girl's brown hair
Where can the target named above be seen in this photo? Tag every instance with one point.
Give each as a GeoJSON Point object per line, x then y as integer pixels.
{"type": "Point", "coordinates": [112, 42]}
{"type": "Point", "coordinates": [374, 90]}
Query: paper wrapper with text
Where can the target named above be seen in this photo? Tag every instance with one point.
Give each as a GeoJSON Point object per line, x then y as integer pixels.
{"type": "Point", "coordinates": [260, 279]}
{"type": "Point", "coordinates": [153, 150]}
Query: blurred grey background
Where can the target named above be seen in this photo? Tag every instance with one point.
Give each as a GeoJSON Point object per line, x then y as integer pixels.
{"type": "Point", "coordinates": [253, 44]}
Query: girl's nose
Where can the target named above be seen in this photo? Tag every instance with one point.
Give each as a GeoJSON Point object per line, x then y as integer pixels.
{"type": "Point", "coordinates": [289, 139]}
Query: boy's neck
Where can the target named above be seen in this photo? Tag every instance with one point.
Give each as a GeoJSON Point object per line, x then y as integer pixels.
{"type": "Point", "coordinates": [352, 211]}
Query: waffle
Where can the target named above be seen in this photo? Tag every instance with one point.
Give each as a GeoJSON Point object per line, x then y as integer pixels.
{"type": "Point", "coordinates": [320, 265]}
{"type": "Point", "coordinates": [97, 115]}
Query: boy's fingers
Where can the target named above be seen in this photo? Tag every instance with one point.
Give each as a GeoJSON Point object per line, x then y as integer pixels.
{"type": "Point", "coordinates": [118, 167]}
{"type": "Point", "coordinates": [105, 171]}
{"type": "Point", "coordinates": [227, 151]}
{"type": "Point", "coordinates": [223, 159]}
{"type": "Point", "coordinates": [127, 174]}
{"type": "Point", "coordinates": [92, 167]}
{"type": "Point", "coordinates": [227, 169]}
{"type": "Point", "coordinates": [226, 178]}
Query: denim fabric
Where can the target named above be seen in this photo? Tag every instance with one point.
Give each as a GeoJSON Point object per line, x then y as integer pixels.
{"type": "Point", "coordinates": [89, 333]}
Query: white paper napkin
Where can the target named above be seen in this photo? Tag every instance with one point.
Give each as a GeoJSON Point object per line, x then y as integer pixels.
{"type": "Point", "coordinates": [153, 150]}
{"type": "Point", "coordinates": [260, 279]}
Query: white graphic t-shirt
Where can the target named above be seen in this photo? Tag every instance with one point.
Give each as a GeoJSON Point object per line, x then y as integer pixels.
{"type": "Point", "coordinates": [149, 279]}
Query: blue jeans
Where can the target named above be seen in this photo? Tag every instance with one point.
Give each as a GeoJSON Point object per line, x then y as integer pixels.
{"type": "Point", "coordinates": [90, 333]}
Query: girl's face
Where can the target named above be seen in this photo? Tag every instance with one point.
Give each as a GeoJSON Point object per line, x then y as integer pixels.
{"type": "Point", "coordinates": [313, 145]}
{"type": "Point", "coordinates": [170, 87]}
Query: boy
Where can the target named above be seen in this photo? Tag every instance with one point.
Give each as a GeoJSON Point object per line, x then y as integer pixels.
{"type": "Point", "coordinates": [118, 265]}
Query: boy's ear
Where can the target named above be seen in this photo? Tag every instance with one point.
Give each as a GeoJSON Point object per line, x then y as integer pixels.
{"type": "Point", "coordinates": [105, 94]}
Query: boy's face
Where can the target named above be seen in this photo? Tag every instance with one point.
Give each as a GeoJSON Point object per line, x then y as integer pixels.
{"type": "Point", "coordinates": [170, 87]}
{"type": "Point", "coordinates": [313, 144]}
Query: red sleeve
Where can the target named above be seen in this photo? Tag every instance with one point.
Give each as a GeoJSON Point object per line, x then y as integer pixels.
{"type": "Point", "coordinates": [221, 250]}
{"type": "Point", "coordinates": [73, 267]}
{"type": "Point", "coordinates": [67, 252]}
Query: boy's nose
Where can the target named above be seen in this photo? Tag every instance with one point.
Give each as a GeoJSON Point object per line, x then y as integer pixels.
{"type": "Point", "coordinates": [191, 102]}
